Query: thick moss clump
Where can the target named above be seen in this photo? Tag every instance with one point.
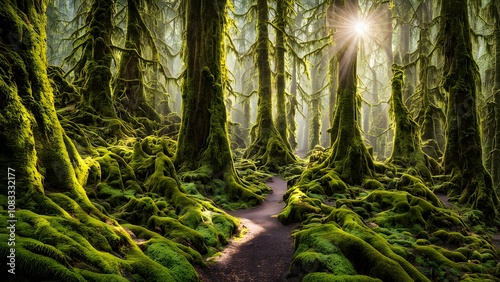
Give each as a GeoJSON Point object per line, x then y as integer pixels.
{"type": "Point", "coordinates": [396, 223]}
{"type": "Point", "coordinates": [367, 254]}
{"type": "Point", "coordinates": [138, 184]}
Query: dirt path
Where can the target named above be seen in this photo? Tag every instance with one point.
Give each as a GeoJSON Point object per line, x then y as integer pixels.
{"type": "Point", "coordinates": [265, 252]}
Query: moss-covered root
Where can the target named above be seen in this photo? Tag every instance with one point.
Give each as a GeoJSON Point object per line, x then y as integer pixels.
{"type": "Point", "coordinates": [270, 151]}
{"type": "Point", "coordinates": [348, 247]}
{"type": "Point", "coordinates": [407, 151]}
{"type": "Point", "coordinates": [304, 198]}
{"type": "Point", "coordinates": [74, 246]}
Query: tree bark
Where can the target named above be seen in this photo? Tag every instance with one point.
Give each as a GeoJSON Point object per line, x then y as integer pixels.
{"type": "Point", "coordinates": [463, 151]}
{"type": "Point", "coordinates": [349, 156]}
{"type": "Point", "coordinates": [203, 145]}
{"type": "Point", "coordinates": [269, 148]}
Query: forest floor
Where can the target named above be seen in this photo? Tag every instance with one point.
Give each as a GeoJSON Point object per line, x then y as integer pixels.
{"type": "Point", "coordinates": [265, 249]}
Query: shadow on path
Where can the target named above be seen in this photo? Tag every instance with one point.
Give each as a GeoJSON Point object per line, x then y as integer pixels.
{"type": "Point", "coordinates": [265, 252]}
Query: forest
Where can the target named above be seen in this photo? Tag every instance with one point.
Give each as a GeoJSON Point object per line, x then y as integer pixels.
{"type": "Point", "coordinates": [132, 133]}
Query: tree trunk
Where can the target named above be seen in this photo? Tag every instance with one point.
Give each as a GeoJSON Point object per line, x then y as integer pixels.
{"type": "Point", "coordinates": [281, 122]}
{"type": "Point", "coordinates": [494, 156]}
{"type": "Point", "coordinates": [349, 156]}
{"type": "Point", "coordinates": [292, 108]}
{"type": "Point", "coordinates": [96, 76]}
{"type": "Point", "coordinates": [462, 155]}
{"type": "Point", "coordinates": [268, 149]}
{"type": "Point", "coordinates": [315, 104]}
{"type": "Point", "coordinates": [129, 86]}
{"type": "Point", "coordinates": [407, 152]}
{"type": "Point", "coordinates": [333, 73]}
{"type": "Point", "coordinates": [203, 145]}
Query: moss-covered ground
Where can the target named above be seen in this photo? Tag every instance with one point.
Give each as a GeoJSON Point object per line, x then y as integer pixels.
{"type": "Point", "coordinates": [141, 220]}
{"type": "Point", "coordinates": [392, 227]}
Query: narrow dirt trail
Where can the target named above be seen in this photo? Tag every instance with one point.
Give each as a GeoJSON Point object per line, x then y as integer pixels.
{"type": "Point", "coordinates": [265, 252]}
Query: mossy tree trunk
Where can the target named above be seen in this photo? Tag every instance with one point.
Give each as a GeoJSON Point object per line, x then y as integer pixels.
{"type": "Point", "coordinates": [315, 103]}
{"type": "Point", "coordinates": [463, 151]}
{"type": "Point", "coordinates": [269, 148]}
{"type": "Point", "coordinates": [34, 143]}
{"type": "Point", "coordinates": [494, 155]}
{"type": "Point", "coordinates": [94, 68]}
{"type": "Point", "coordinates": [292, 103]}
{"type": "Point", "coordinates": [349, 156]}
{"type": "Point", "coordinates": [406, 151]}
{"type": "Point", "coordinates": [333, 70]}
{"type": "Point", "coordinates": [374, 118]}
{"type": "Point", "coordinates": [404, 15]}
{"type": "Point", "coordinates": [430, 116]}
{"type": "Point", "coordinates": [292, 108]}
{"type": "Point", "coordinates": [129, 85]}
{"type": "Point", "coordinates": [282, 10]}
{"type": "Point", "coordinates": [203, 145]}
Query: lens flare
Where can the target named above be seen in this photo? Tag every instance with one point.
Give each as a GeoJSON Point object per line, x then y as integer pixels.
{"type": "Point", "coordinates": [361, 27]}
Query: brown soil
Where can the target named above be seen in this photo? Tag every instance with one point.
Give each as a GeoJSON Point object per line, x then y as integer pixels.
{"type": "Point", "coordinates": [265, 251]}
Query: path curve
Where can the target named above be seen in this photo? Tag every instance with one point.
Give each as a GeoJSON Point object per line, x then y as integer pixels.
{"type": "Point", "coordinates": [264, 254]}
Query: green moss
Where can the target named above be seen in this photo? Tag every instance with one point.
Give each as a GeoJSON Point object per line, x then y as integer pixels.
{"type": "Point", "coordinates": [328, 277]}
{"type": "Point", "coordinates": [365, 259]}
{"type": "Point", "coordinates": [372, 184]}
{"type": "Point", "coordinates": [178, 265]}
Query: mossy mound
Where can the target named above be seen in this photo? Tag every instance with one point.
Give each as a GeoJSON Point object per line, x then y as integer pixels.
{"type": "Point", "coordinates": [390, 228]}
{"type": "Point", "coordinates": [68, 244]}
{"type": "Point", "coordinates": [138, 185]}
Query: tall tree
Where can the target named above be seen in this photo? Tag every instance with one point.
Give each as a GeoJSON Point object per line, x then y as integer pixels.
{"type": "Point", "coordinates": [129, 84]}
{"type": "Point", "coordinates": [282, 11]}
{"type": "Point", "coordinates": [430, 115]}
{"type": "Point", "coordinates": [93, 70]}
{"type": "Point", "coordinates": [268, 148]}
{"type": "Point", "coordinates": [203, 145]}
{"type": "Point", "coordinates": [463, 151]}
{"type": "Point", "coordinates": [493, 158]}
{"type": "Point", "coordinates": [407, 151]}
{"type": "Point", "coordinates": [349, 155]}
{"type": "Point", "coordinates": [47, 173]}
